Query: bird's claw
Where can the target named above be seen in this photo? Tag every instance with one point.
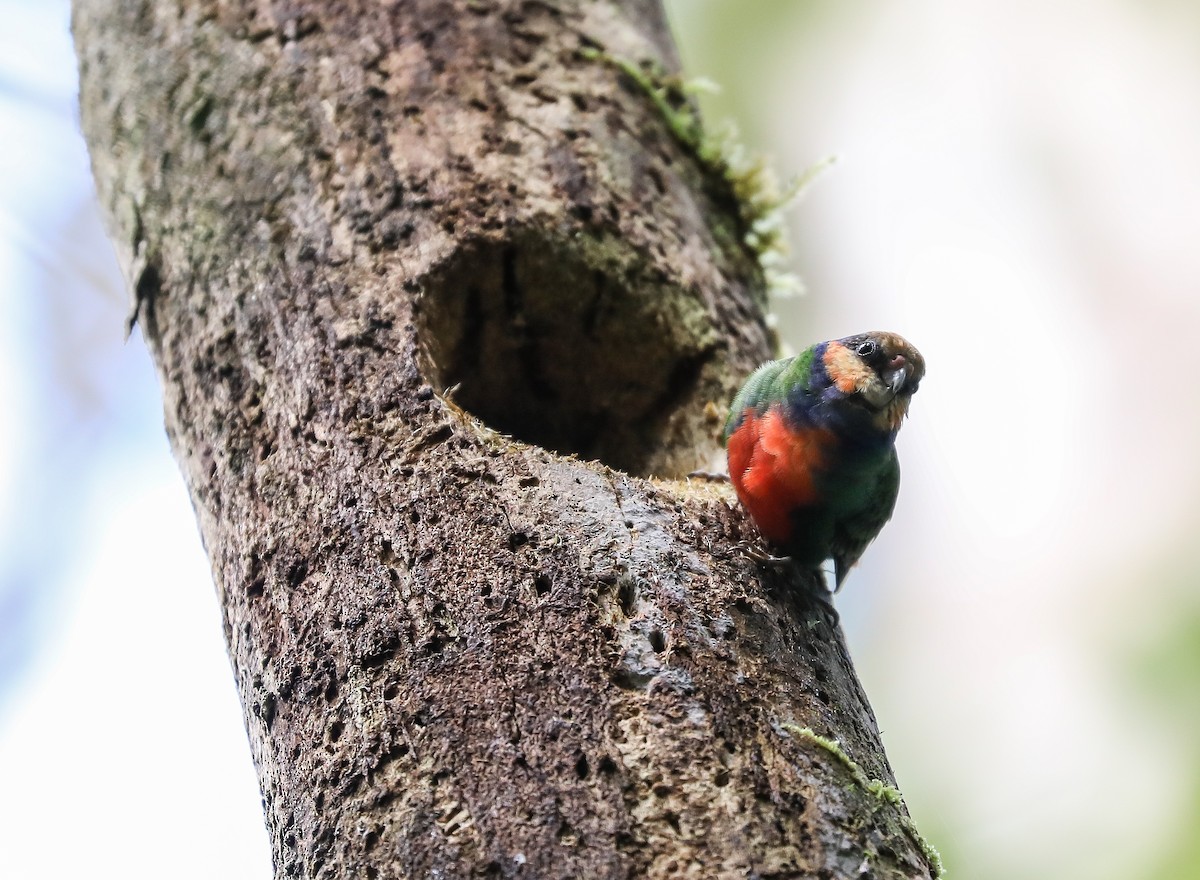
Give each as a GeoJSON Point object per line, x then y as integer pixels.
{"type": "Point", "coordinates": [824, 597]}
{"type": "Point", "coordinates": [764, 557]}
{"type": "Point", "coordinates": [820, 592]}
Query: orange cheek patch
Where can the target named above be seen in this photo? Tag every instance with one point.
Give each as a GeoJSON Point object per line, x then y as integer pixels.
{"type": "Point", "coordinates": [845, 368]}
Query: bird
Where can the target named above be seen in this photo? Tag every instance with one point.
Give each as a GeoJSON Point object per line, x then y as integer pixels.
{"type": "Point", "coordinates": [811, 446]}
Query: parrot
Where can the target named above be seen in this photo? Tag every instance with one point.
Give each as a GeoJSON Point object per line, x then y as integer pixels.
{"type": "Point", "coordinates": [811, 445]}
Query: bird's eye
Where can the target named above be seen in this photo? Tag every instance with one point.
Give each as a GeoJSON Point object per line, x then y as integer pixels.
{"type": "Point", "coordinates": [866, 349]}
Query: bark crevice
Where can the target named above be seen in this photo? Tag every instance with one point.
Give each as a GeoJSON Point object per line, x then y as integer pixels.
{"type": "Point", "coordinates": [562, 345]}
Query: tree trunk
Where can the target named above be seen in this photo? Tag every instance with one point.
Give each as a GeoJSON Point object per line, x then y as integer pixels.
{"type": "Point", "coordinates": [485, 632]}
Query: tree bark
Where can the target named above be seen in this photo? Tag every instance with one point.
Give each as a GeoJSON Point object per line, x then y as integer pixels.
{"type": "Point", "coordinates": [486, 633]}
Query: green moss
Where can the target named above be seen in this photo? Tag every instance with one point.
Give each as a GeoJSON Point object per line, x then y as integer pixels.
{"type": "Point", "coordinates": [889, 794]}
{"type": "Point", "coordinates": [760, 199]}
{"type": "Point", "coordinates": [886, 794]}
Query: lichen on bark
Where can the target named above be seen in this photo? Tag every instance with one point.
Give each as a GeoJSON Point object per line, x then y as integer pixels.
{"type": "Point", "coordinates": [442, 311]}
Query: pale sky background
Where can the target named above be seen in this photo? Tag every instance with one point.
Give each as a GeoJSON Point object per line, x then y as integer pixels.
{"type": "Point", "coordinates": [1017, 191]}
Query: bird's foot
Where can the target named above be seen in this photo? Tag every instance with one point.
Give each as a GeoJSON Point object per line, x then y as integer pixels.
{"type": "Point", "coordinates": [823, 593]}
{"type": "Point", "coordinates": [764, 557]}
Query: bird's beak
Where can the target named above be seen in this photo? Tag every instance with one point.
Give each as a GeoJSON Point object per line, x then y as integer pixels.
{"type": "Point", "coordinates": [897, 374]}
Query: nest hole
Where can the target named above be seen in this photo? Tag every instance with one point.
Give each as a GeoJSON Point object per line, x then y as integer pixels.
{"type": "Point", "coordinates": [562, 347]}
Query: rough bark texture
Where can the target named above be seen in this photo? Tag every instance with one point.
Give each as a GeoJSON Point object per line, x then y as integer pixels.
{"type": "Point", "coordinates": [461, 654]}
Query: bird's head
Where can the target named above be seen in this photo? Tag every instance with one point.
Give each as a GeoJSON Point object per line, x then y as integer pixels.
{"type": "Point", "coordinates": [880, 370]}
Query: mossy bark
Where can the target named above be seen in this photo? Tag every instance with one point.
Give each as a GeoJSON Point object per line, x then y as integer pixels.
{"type": "Point", "coordinates": [492, 634]}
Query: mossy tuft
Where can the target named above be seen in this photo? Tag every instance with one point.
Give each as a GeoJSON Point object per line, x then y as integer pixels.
{"type": "Point", "coordinates": [761, 199]}
{"type": "Point", "coordinates": [886, 794]}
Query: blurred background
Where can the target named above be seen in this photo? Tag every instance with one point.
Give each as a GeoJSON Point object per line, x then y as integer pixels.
{"type": "Point", "coordinates": [1017, 191]}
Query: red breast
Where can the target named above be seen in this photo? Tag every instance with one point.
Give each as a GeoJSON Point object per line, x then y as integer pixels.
{"type": "Point", "coordinates": [772, 466]}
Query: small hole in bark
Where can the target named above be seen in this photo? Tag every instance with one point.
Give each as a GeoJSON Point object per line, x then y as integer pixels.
{"type": "Point", "coordinates": [517, 540]}
{"type": "Point", "coordinates": [381, 654]}
{"type": "Point", "coordinates": [627, 595]}
{"type": "Point", "coordinates": [269, 705]}
{"type": "Point", "coordinates": [581, 767]}
{"type": "Point", "coordinates": [633, 680]}
{"type": "Point", "coordinates": [658, 641]}
{"type": "Point", "coordinates": [657, 178]}
{"type": "Point", "coordinates": [335, 731]}
{"type": "Point", "coordinates": [721, 779]}
{"type": "Point", "coordinates": [485, 590]}
{"type": "Point", "coordinates": [331, 690]}
{"type": "Point", "coordinates": [391, 691]}
{"type": "Point", "coordinates": [542, 584]}
{"type": "Point", "coordinates": [297, 572]}
{"type": "Point", "coordinates": [256, 587]}
{"type": "Point", "coordinates": [567, 835]}
{"type": "Point", "coordinates": [564, 345]}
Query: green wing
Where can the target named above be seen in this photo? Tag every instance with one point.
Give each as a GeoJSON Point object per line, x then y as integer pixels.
{"type": "Point", "coordinates": [768, 383]}
{"type": "Point", "coordinates": [854, 531]}
{"type": "Point", "coordinates": [755, 394]}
